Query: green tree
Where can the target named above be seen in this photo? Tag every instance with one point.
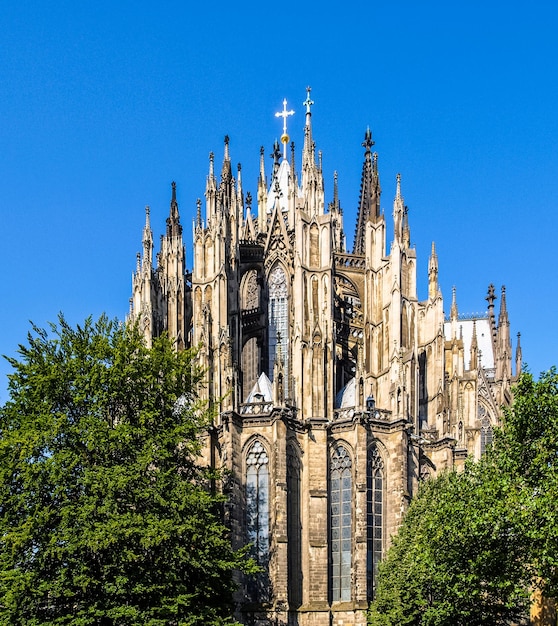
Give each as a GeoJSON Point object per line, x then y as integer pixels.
{"type": "Point", "coordinates": [458, 558]}
{"type": "Point", "coordinates": [527, 451]}
{"type": "Point", "coordinates": [105, 516]}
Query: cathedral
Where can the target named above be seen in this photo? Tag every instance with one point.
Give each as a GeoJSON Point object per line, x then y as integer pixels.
{"type": "Point", "coordinates": [336, 389]}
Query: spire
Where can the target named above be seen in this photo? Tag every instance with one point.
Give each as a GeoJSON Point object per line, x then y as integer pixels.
{"type": "Point", "coordinates": [147, 241]}
{"type": "Point", "coordinates": [453, 312]}
{"type": "Point", "coordinates": [503, 317]}
{"type": "Point", "coordinates": [518, 356]}
{"type": "Point", "coordinates": [308, 147]}
{"type": "Point", "coordinates": [226, 172]}
{"type": "Point", "coordinates": [174, 228]}
{"type": "Point", "coordinates": [335, 192]}
{"type": "Point", "coordinates": [491, 297]}
{"type": "Point", "coordinates": [433, 273]}
{"type": "Point", "coordinates": [474, 348]}
{"type": "Point", "coordinates": [369, 203]}
{"type": "Point", "coordinates": [211, 165]}
{"type": "Point", "coordinates": [398, 212]}
{"type": "Point", "coordinates": [262, 165]}
{"type": "Point", "coordinates": [275, 155]}
{"type": "Point", "coordinates": [239, 183]}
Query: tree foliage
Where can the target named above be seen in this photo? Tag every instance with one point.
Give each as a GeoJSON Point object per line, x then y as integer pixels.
{"type": "Point", "coordinates": [473, 544]}
{"type": "Point", "coordinates": [527, 452]}
{"type": "Point", "coordinates": [105, 516]}
{"type": "Point", "coordinates": [456, 559]}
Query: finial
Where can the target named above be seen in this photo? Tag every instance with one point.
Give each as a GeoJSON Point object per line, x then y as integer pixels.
{"type": "Point", "coordinates": [147, 213]}
{"type": "Point", "coordinates": [211, 164]}
{"type": "Point", "coordinates": [398, 186]}
{"type": "Point", "coordinates": [173, 186]}
{"type": "Point", "coordinates": [368, 142]}
{"type": "Point", "coordinates": [198, 213]}
{"type": "Point", "coordinates": [335, 191]}
{"type": "Point", "coordinates": [284, 137]}
{"type": "Point", "coordinates": [453, 313]}
{"type": "Point", "coordinates": [308, 102]}
{"type": "Point", "coordinates": [276, 153]}
{"type": "Point", "coordinates": [227, 148]}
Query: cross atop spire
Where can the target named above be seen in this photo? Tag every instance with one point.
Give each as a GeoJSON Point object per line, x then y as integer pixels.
{"type": "Point", "coordinates": [284, 137]}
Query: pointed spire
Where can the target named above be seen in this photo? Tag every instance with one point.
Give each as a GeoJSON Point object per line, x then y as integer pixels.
{"type": "Point", "coordinates": [369, 203]}
{"type": "Point", "coordinates": [503, 317]}
{"type": "Point", "coordinates": [262, 164]}
{"type": "Point", "coordinates": [518, 356]}
{"type": "Point", "coordinates": [147, 240]}
{"type": "Point", "coordinates": [239, 183]}
{"type": "Point", "coordinates": [398, 212]}
{"type": "Point", "coordinates": [406, 230]}
{"type": "Point", "coordinates": [491, 297]}
{"type": "Point", "coordinates": [453, 312]}
{"type": "Point", "coordinates": [335, 192]}
{"type": "Point", "coordinates": [211, 165]}
{"type": "Point", "coordinates": [275, 155]}
{"type": "Point", "coordinates": [226, 172]}
{"type": "Point", "coordinates": [433, 273]}
{"type": "Point", "coordinates": [174, 228]}
{"type": "Point", "coordinates": [474, 348]}
{"type": "Point", "coordinates": [308, 148]}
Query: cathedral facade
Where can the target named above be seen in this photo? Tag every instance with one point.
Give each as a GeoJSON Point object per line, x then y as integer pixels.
{"type": "Point", "coordinates": [337, 390]}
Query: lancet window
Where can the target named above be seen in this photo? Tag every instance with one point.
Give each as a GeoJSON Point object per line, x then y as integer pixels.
{"type": "Point", "coordinates": [278, 321]}
{"type": "Point", "coordinates": [374, 517]}
{"type": "Point", "coordinates": [486, 434]}
{"type": "Point", "coordinates": [340, 524]}
{"type": "Point", "coordinates": [257, 501]}
{"type": "Point", "coordinates": [294, 528]}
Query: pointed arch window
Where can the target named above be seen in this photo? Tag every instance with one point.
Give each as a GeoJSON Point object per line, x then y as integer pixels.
{"type": "Point", "coordinates": [278, 322]}
{"type": "Point", "coordinates": [374, 517]}
{"type": "Point", "coordinates": [257, 502]}
{"type": "Point", "coordinates": [294, 528]}
{"type": "Point", "coordinates": [486, 434]}
{"type": "Point", "coordinates": [340, 524]}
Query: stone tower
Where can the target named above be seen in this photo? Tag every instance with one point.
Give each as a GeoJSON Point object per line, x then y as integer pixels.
{"type": "Point", "coordinates": [339, 389]}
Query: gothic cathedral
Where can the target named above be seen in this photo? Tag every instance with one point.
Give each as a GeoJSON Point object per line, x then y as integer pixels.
{"type": "Point", "coordinates": [339, 389]}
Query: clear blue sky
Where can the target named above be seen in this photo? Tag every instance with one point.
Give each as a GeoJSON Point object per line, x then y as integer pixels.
{"type": "Point", "coordinates": [103, 104]}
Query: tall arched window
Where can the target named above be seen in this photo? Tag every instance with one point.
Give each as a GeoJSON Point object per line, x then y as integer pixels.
{"type": "Point", "coordinates": [257, 501]}
{"type": "Point", "coordinates": [340, 523]}
{"type": "Point", "coordinates": [374, 517]}
{"type": "Point", "coordinates": [278, 321]}
{"type": "Point", "coordinates": [294, 528]}
{"type": "Point", "coordinates": [257, 516]}
{"type": "Point", "coordinates": [486, 434]}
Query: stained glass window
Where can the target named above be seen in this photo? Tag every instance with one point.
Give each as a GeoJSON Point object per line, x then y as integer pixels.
{"type": "Point", "coordinates": [278, 321]}
{"type": "Point", "coordinates": [257, 501]}
{"type": "Point", "coordinates": [294, 529]}
{"type": "Point", "coordinates": [340, 523]}
{"type": "Point", "coordinates": [374, 517]}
